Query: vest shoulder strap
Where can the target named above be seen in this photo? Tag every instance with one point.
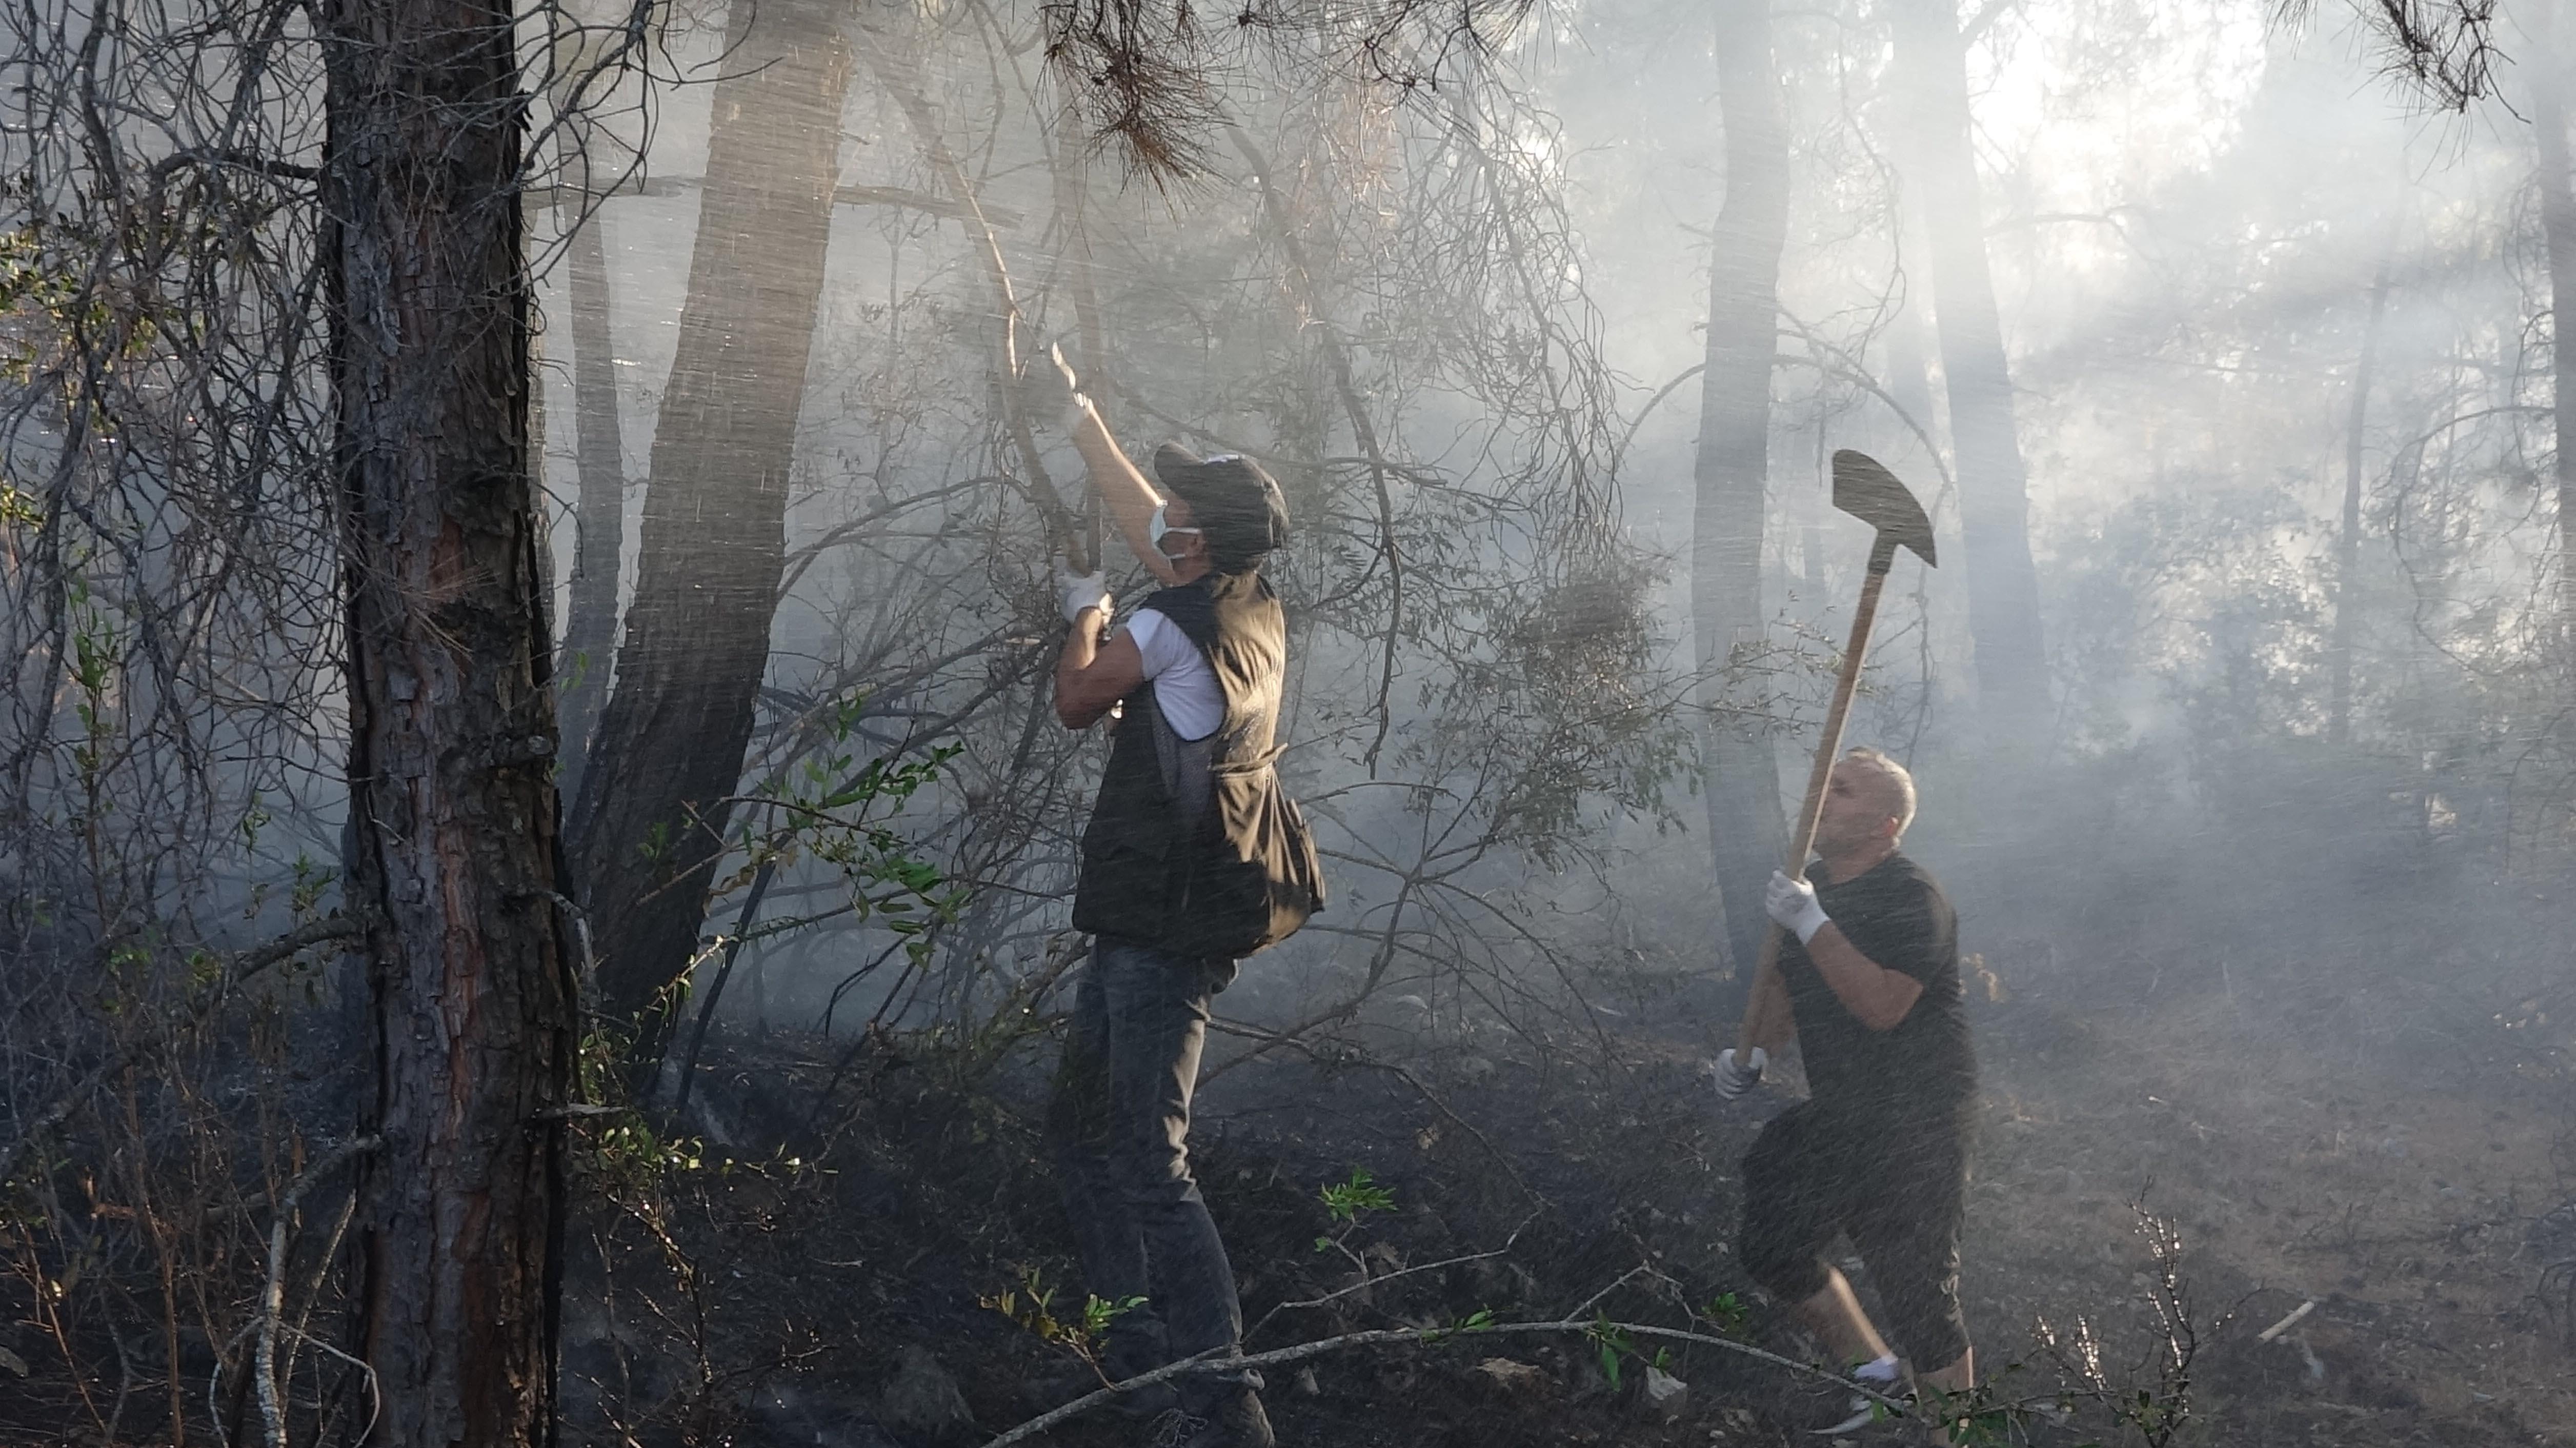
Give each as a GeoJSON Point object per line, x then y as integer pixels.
{"type": "Point", "coordinates": [1191, 610]}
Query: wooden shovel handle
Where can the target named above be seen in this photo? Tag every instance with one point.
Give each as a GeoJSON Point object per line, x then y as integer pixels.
{"type": "Point", "coordinates": [1770, 993]}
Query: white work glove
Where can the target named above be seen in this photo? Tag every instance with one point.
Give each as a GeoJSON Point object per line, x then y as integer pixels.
{"type": "Point", "coordinates": [1792, 903]}
{"type": "Point", "coordinates": [1734, 1079]}
{"type": "Point", "coordinates": [1078, 591]}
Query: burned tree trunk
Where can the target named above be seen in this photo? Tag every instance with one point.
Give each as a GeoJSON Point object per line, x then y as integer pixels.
{"type": "Point", "coordinates": [1738, 770]}
{"type": "Point", "coordinates": [1994, 501]}
{"type": "Point", "coordinates": [451, 844]}
{"type": "Point", "coordinates": [650, 822]}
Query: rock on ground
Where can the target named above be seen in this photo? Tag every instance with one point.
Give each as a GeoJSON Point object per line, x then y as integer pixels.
{"type": "Point", "coordinates": [923, 1400]}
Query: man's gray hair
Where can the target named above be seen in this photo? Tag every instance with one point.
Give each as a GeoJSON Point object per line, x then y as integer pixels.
{"type": "Point", "coordinates": [1897, 776]}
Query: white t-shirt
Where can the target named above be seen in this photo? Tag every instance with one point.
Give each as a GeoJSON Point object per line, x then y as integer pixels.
{"type": "Point", "coordinates": [1184, 686]}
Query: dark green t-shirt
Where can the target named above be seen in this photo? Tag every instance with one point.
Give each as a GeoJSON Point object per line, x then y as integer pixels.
{"type": "Point", "coordinates": [1920, 1071]}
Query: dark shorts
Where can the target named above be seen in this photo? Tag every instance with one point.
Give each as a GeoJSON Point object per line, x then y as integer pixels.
{"type": "Point", "coordinates": [1898, 1195]}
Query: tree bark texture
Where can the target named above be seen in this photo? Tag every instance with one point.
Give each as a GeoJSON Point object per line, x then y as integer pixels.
{"type": "Point", "coordinates": [599, 508]}
{"type": "Point", "coordinates": [1994, 501]}
{"type": "Point", "coordinates": [1739, 772]}
{"type": "Point", "coordinates": [650, 822]}
{"type": "Point", "coordinates": [2558, 232]}
{"type": "Point", "coordinates": [452, 843]}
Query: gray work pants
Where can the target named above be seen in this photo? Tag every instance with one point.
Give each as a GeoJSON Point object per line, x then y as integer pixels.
{"type": "Point", "coordinates": [1118, 1127]}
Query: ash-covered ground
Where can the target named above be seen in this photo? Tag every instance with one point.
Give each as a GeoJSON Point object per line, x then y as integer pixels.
{"type": "Point", "coordinates": [2352, 1119]}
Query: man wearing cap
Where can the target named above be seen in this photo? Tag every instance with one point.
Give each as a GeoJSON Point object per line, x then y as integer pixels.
{"type": "Point", "coordinates": [1195, 678]}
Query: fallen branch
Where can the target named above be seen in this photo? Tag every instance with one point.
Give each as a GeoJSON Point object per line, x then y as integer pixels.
{"type": "Point", "coordinates": [1278, 1357]}
{"type": "Point", "coordinates": [2286, 1323]}
{"type": "Point", "coordinates": [1366, 1282]}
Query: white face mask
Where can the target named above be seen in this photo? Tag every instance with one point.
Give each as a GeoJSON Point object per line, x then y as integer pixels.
{"type": "Point", "coordinates": [1156, 530]}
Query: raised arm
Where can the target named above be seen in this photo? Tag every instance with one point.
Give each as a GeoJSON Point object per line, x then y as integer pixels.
{"type": "Point", "coordinates": [1131, 498]}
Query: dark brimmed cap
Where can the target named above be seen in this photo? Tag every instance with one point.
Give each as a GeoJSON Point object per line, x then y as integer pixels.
{"type": "Point", "coordinates": [1231, 499]}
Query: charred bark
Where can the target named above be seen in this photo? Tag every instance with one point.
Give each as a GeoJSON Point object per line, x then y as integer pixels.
{"type": "Point", "coordinates": [649, 826]}
{"type": "Point", "coordinates": [451, 846]}
{"type": "Point", "coordinates": [1739, 773]}
{"type": "Point", "coordinates": [1994, 490]}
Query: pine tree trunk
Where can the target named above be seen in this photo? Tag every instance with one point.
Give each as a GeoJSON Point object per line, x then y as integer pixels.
{"type": "Point", "coordinates": [1994, 504]}
{"type": "Point", "coordinates": [452, 840]}
{"type": "Point", "coordinates": [599, 508]}
{"type": "Point", "coordinates": [649, 827]}
{"type": "Point", "coordinates": [1738, 770]}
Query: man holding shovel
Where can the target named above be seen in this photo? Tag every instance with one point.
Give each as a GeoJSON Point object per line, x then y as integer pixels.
{"type": "Point", "coordinates": [1179, 879]}
{"type": "Point", "coordinates": [1864, 967]}
{"type": "Point", "coordinates": [1869, 975]}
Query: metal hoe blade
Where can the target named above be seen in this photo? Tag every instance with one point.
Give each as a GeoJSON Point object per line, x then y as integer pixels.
{"type": "Point", "coordinates": [1868, 491]}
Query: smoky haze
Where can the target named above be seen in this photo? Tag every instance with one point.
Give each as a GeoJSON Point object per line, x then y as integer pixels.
{"type": "Point", "coordinates": [2218, 344]}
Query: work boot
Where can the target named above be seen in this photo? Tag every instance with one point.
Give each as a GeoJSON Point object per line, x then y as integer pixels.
{"type": "Point", "coordinates": [1232, 1421]}
{"type": "Point", "coordinates": [1859, 1409]}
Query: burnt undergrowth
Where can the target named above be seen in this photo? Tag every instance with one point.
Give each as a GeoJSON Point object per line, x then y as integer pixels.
{"type": "Point", "coordinates": [2228, 1189]}
{"type": "Point", "coordinates": [819, 1253]}
{"type": "Point", "coordinates": [899, 1213]}
{"type": "Point", "coordinates": [2346, 1123]}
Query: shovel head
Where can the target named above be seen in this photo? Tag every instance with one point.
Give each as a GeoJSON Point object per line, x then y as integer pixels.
{"type": "Point", "coordinates": [1868, 491]}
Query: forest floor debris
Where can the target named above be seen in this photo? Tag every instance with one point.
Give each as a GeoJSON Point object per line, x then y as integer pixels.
{"type": "Point", "coordinates": [2274, 1166]}
{"type": "Point", "coordinates": [2370, 1189]}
